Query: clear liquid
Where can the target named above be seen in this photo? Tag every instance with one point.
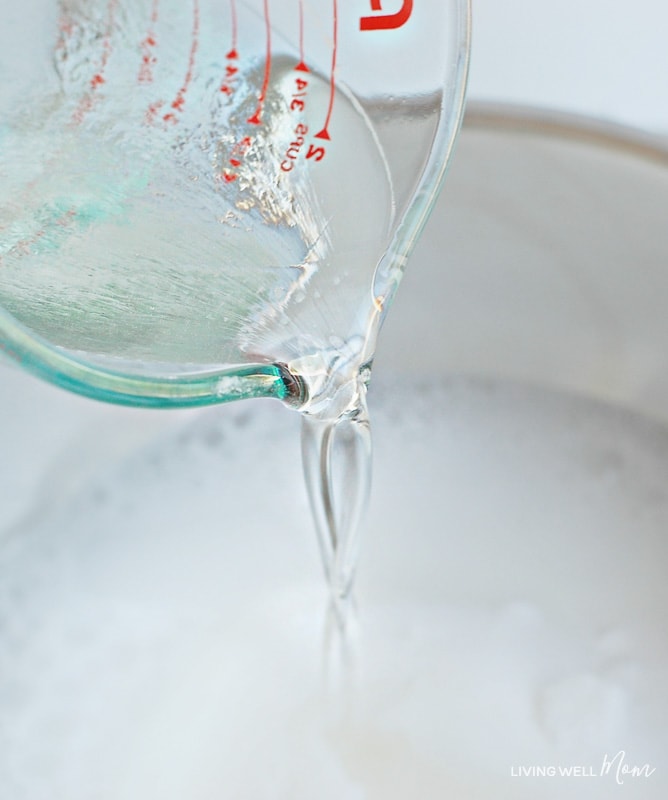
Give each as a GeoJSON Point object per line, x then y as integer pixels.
{"type": "Point", "coordinates": [336, 455]}
{"type": "Point", "coordinates": [136, 231]}
{"type": "Point", "coordinates": [150, 223]}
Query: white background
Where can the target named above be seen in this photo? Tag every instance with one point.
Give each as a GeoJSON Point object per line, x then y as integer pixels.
{"type": "Point", "coordinates": [603, 58]}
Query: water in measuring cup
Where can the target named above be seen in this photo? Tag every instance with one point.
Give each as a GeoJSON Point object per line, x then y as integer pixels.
{"type": "Point", "coordinates": [167, 206]}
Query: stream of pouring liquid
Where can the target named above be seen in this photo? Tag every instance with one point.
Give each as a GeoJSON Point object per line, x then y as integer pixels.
{"type": "Point", "coordinates": [336, 458]}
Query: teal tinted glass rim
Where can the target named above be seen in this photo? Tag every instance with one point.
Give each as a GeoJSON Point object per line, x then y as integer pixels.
{"type": "Point", "coordinates": [63, 369]}
{"type": "Point", "coordinates": [244, 381]}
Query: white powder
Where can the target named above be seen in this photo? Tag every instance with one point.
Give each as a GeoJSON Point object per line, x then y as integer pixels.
{"type": "Point", "coordinates": [165, 630]}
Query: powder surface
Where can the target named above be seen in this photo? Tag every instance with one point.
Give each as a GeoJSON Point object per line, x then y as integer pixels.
{"type": "Point", "coordinates": [166, 630]}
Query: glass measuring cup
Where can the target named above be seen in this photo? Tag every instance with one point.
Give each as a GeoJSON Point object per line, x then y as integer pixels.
{"type": "Point", "coordinates": [208, 201]}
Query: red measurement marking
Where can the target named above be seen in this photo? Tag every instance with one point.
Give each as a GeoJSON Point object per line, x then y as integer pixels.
{"type": "Point", "coordinates": [228, 85]}
{"type": "Point", "coordinates": [22, 247]}
{"type": "Point", "coordinates": [237, 155]}
{"type": "Point", "coordinates": [299, 97]}
{"type": "Point", "coordinates": [302, 62]}
{"type": "Point", "coordinates": [179, 101]}
{"type": "Point", "coordinates": [66, 217]}
{"type": "Point", "coordinates": [233, 10]}
{"type": "Point", "coordinates": [294, 149]}
{"type": "Point", "coordinates": [66, 28]}
{"type": "Point", "coordinates": [148, 45]}
{"type": "Point", "coordinates": [86, 102]}
{"type": "Point", "coordinates": [98, 78]}
{"type": "Point", "coordinates": [152, 111]}
{"type": "Point", "coordinates": [387, 21]}
{"type": "Point", "coordinates": [324, 133]}
{"type": "Point", "coordinates": [256, 119]}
